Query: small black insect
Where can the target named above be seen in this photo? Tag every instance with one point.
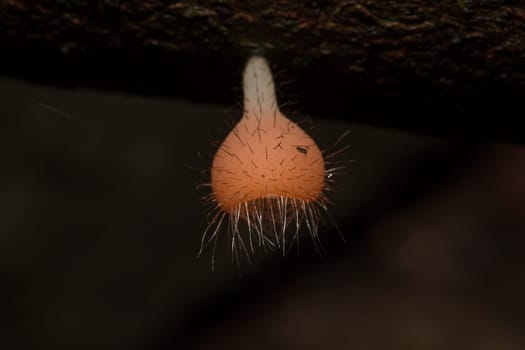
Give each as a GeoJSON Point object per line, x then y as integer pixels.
{"type": "Point", "coordinates": [303, 150]}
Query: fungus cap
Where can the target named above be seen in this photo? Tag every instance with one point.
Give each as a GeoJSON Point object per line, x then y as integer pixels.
{"type": "Point", "coordinates": [266, 155]}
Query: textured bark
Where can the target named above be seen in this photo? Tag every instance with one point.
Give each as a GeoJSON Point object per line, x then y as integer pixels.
{"type": "Point", "coordinates": [452, 67]}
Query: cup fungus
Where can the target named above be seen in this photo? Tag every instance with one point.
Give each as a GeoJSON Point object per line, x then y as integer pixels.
{"type": "Point", "coordinates": [268, 176]}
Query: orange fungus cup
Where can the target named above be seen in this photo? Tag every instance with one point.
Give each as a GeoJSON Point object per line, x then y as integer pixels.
{"type": "Point", "coordinates": [268, 175]}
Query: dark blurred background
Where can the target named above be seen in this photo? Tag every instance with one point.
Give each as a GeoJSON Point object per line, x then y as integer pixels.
{"type": "Point", "coordinates": [101, 221]}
